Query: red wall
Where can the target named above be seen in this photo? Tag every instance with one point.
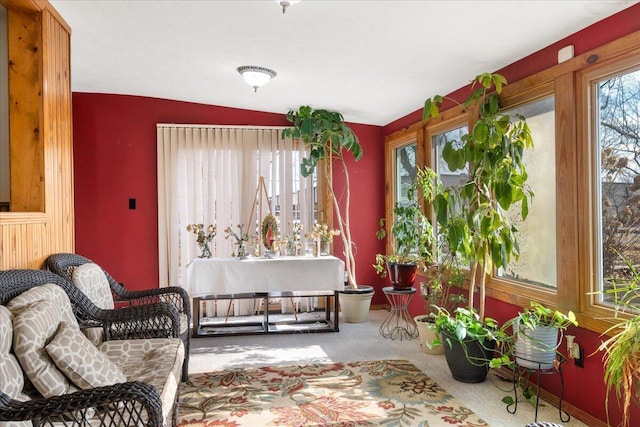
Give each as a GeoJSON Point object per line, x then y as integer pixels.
{"type": "Point", "coordinates": [584, 387]}
{"type": "Point", "coordinates": [115, 160]}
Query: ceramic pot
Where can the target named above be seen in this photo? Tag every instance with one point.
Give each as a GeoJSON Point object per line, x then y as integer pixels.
{"type": "Point", "coordinates": [468, 360]}
{"type": "Point", "coordinates": [355, 303]}
{"type": "Point", "coordinates": [402, 276]}
{"type": "Point", "coordinates": [427, 333]}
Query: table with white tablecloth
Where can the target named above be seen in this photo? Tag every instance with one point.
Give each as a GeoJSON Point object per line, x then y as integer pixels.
{"type": "Point", "coordinates": [208, 277]}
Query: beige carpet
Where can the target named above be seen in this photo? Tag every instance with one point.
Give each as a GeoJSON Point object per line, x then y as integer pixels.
{"type": "Point", "coordinates": [381, 393]}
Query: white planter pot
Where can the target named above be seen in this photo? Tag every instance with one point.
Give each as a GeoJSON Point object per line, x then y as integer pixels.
{"type": "Point", "coordinates": [427, 333]}
{"type": "Point", "coordinates": [355, 303]}
{"type": "Point", "coordinates": [536, 348]}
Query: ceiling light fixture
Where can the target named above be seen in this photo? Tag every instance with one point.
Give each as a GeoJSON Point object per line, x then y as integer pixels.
{"type": "Point", "coordinates": [256, 76]}
{"type": "Point", "coordinates": [286, 4]}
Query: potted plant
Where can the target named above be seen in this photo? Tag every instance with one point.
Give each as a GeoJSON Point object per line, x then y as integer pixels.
{"type": "Point", "coordinates": [621, 363]}
{"type": "Point", "coordinates": [413, 238]}
{"type": "Point", "coordinates": [442, 289]}
{"type": "Point", "coordinates": [328, 139]}
{"type": "Point", "coordinates": [472, 217]}
{"type": "Point", "coordinates": [536, 335]}
{"type": "Point", "coordinates": [468, 342]}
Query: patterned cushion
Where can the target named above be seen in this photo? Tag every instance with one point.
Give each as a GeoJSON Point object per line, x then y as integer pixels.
{"type": "Point", "coordinates": [33, 327]}
{"type": "Point", "coordinates": [92, 281]}
{"type": "Point", "coordinates": [81, 361]}
{"type": "Point", "coordinates": [11, 376]}
{"type": "Point", "coordinates": [157, 361]}
{"type": "Point", "coordinates": [50, 292]}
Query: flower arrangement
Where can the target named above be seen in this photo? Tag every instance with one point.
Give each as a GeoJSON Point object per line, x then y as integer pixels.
{"type": "Point", "coordinates": [292, 241]}
{"type": "Point", "coordinates": [205, 236]}
{"type": "Point", "coordinates": [241, 237]}
{"type": "Point", "coordinates": [322, 233]}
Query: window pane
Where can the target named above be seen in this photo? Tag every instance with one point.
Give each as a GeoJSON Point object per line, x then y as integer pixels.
{"type": "Point", "coordinates": [448, 177]}
{"type": "Point", "coordinates": [537, 235]}
{"type": "Point", "coordinates": [617, 119]}
{"type": "Point", "coordinates": [405, 159]}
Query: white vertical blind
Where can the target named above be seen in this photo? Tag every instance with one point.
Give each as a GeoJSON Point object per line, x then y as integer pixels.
{"type": "Point", "coordinates": [210, 174]}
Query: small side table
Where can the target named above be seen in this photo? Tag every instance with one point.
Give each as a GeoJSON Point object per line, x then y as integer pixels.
{"type": "Point", "coordinates": [556, 370]}
{"type": "Point", "coordinates": [398, 323]}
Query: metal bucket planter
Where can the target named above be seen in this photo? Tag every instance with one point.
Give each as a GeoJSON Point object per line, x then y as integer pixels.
{"type": "Point", "coordinates": [536, 348]}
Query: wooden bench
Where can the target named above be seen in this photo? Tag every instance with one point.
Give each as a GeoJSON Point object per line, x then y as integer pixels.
{"type": "Point", "coordinates": [266, 323]}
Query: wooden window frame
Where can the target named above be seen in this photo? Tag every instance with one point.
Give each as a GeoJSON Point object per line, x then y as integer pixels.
{"type": "Point", "coordinates": [392, 143]}
{"type": "Point", "coordinates": [575, 235]}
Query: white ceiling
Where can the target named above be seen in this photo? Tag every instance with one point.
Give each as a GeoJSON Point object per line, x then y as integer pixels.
{"type": "Point", "coordinates": [374, 61]}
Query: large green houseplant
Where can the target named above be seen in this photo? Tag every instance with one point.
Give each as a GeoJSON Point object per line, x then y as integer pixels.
{"type": "Point", "coordinates": [622, 346]}
{"type": "Point", "coordinates": [328, 139]}
{"type": "Point", "coordinates": [473, 217]}
{"type": "Point", "coordinates": [413, 238]}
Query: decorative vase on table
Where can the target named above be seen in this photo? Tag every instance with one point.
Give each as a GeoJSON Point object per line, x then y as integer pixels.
{"type": "Point", "coordinates": [242, 250]}
{"type": "Point", "coordinates": [206, 251]}
{"type": "Point", "coordinates": [325, 246]}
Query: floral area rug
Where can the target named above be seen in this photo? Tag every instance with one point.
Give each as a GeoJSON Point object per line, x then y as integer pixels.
{"type": "Point", "coordinates": [375, 393]}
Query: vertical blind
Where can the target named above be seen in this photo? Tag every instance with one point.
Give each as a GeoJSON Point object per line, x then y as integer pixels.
{"type": "Point", "coordinates": [210, 175]}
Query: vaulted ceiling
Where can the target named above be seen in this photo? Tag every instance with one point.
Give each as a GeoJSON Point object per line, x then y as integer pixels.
{"type": "Point", "coordinates": [374, 61]}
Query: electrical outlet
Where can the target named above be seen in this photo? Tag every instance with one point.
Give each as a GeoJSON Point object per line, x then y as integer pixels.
{"type": "Point", "coordinates": [579, 361]}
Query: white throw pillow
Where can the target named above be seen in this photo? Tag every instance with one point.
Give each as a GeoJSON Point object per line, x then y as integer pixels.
{"type": "Point", "coordinates": [81, 361]}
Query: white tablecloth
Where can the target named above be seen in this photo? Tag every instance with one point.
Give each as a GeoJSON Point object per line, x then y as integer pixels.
{"type": "Point", "coordinates": [229, 275]}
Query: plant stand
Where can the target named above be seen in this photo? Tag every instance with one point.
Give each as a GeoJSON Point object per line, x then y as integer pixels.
{"type": "Point", "coordinates": [540, 371]}
{"type": "Point", "coordinates": [399, 324]}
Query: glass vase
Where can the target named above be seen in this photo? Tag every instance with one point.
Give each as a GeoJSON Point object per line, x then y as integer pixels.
{"type": "Point", "coordinates": [325, 247]}
{"type": "Point", "coordinates": [206, 252]}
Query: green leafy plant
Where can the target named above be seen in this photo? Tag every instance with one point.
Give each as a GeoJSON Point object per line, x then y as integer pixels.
{"type": "Point", "coordinates": [527, 321]}
{"type": "Point", "coordinates": [413, 236]}
{"type": "Point", "coordinates": [443, 289]}
{"type": "Point", "coordinates": [328, 138]}
{"type": "Point", "coordinates": [473, 216]}
{"type": "Point", "coordinates": [621, 364]}
{"type": "Point", "coordinates": [539, 315]}
{"type": "Point", "coordinates": [465, 324]}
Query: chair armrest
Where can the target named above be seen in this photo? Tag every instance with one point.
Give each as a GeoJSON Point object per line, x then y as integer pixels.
{"type": "Point", "coordinates": [175, 295]}
{"type": "Point", "coordinates": [158, 320]}
{"type": "Point", "coordinates": [136, 402]}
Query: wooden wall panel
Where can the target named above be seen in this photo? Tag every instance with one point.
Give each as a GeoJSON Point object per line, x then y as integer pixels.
{"type": "Point", "coordinates": [25, 115]}
{"type": "Point", "coordinates": [27, 238]}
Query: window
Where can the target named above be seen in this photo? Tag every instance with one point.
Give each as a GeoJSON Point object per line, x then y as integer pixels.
{"type": "Point", "coordinates": [227, 176]}
{"type": "Point", "coordinates": [536, 265]}
{"type": "Point", "coordinates": [403, 157]}
{"type": "Point", "coordinates": [438, 142]}
{"type": "Point", "coordinates": [616, 118]}
{"type": "Point", "coordinates": [405, 170]}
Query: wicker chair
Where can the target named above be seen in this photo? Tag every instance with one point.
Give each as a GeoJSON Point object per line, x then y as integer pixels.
{"type": "Point", "coordinates": [136, 402]}
{"type": "Point", "coordinates": [64, 264]}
